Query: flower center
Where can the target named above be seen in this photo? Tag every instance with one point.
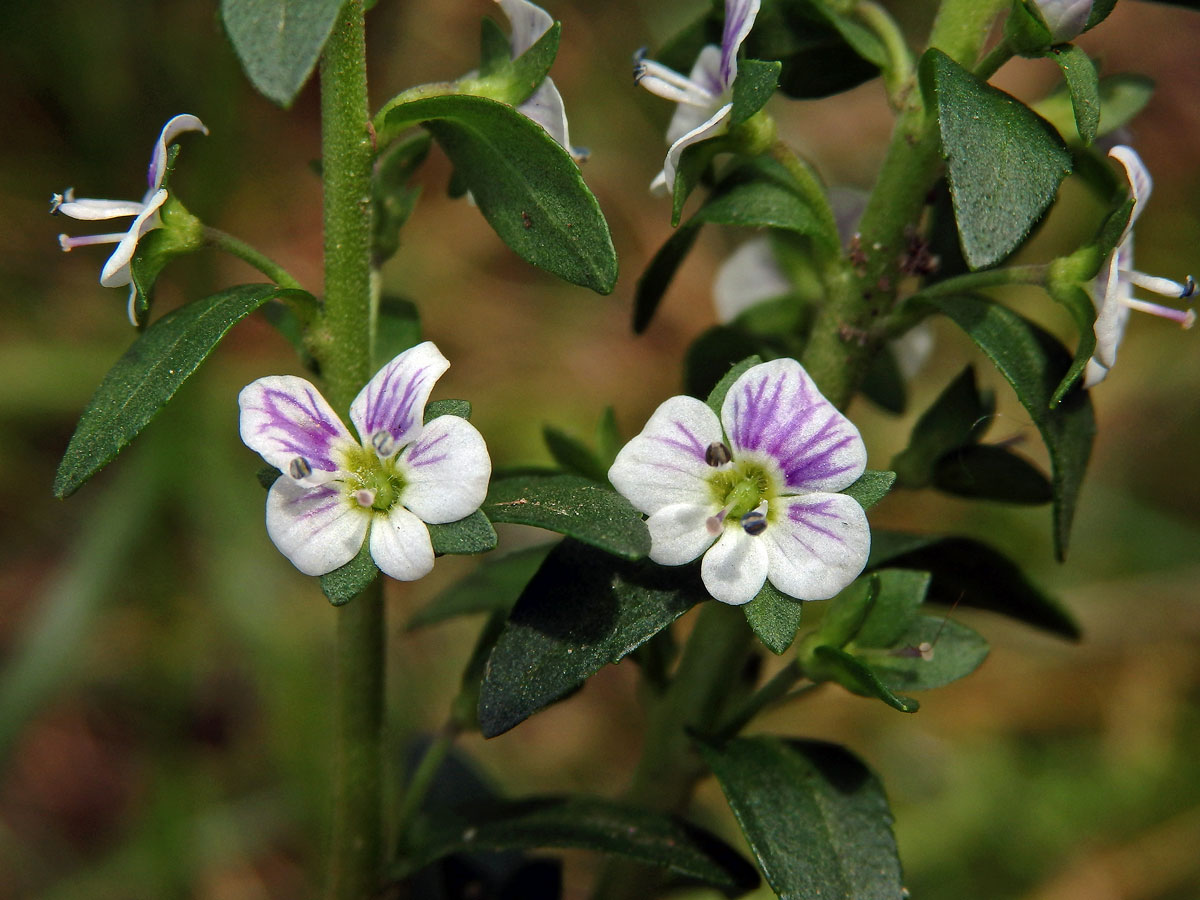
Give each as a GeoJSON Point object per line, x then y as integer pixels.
{"type": "Point", "coordinates": [742, 488]}
{"type": "Point", "coordinates": [372, 482]}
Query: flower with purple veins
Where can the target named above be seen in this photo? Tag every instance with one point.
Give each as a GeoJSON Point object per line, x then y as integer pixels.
{"type": "Point", "coordinates": [1112, 291]}
{"type": "Point", "coordinates": [755, 492]}
{"type": "Point", "coordinates": [145, 213]}
{"type": "Point", "coordinates": [703, 97]}
{"type": "Point", "coordinates": [336, 492]}
{"type": "Point", "coordinates": [545, 105]}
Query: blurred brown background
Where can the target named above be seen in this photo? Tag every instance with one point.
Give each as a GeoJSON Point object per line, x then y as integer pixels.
{"type": "Point", "coordinates": [166, 735]}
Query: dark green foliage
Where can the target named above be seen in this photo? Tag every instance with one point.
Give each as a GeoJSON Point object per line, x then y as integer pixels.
{"type": "Point", "coordinates": [279, 41]}
{"type": "Point", "coordinates": [774, 617]}
{"type": "Point", "coordinates": [344, 584]}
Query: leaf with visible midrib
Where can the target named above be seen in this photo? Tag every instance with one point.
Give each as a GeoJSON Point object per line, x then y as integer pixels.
{"type": "Point", "coordinates": [279, 41]}
{"type": "Point", "coordinates": [147, 376]}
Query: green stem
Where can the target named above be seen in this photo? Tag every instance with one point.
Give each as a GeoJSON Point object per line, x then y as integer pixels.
{"type": "Point", "coordinates": [844, 336]}
{"type": "Point", "coordinates": [422, 780]}
{"type": "Point", "coordinates": [898, 73]}
{"type": "Point", "coordinates": [996, 57]}
{"type": "Point", "coordinates": [771, 692]}
{"type": "Point", "coordinates": [669, 768]}
{"type": "Point", "coordinates": [974, 281]}
{"type": "Point", "coordinates": [343, 348]}
{"type": "Point", "coordinates": [214, 237]}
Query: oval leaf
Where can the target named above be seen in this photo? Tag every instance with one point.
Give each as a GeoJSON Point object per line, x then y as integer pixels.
{"type": "Point", "coordinates": [279, 41]}
{"type": "Point", "coordinates": [931, 654]}
{"type": "Point", "coordinates": [815, 817]}
{"type": "Point", "coordinates": [149, 374]}
{"type": "Point", "coordinates": [495, 585]}
{"type": "Point", "coordinates": [774, 617]}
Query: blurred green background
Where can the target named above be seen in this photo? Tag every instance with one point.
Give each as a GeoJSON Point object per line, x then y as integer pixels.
{"type": "Point", "coordinates": [166, 732]}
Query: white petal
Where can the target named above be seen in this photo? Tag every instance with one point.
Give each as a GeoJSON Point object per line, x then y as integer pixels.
{"type": "Point", "coordinates": [400, 545]}
{"type": "Point", "coordinates": [678, 533]}
{"type": "Point", "coordinates": [545, 106]}
{"type": "Point", "coordinates": [529, 23]}
{"type": "Point", "coordinates": [735, 567]}
{"type": "Point", "coordinates": [1095, 373]}
{"type": "Point", "coordinates": [319, 529]}
{"type": "Point", "coordinates": [1140, 183]}
{"type": "Point", "coordinates": [284, 418]}
{"type": "Point", "coordinates": [818, 544]}
{"type": "Point", "coordinates": [748, 276]}
{"type": "Point", "coordinates": [392, 404]}
{"type": "Point", "coordinates": [912, 349]}
{"type": "Point", "coordinates": [116, 270]}
{"type": "Point", "coordinates": [739, 19]}
{"type": "Point", "coordinates": [705, 75]}
{"type": "Point", "coordinates": [711, 128]}
{"type": "Point", "coordinates": [665, 464]}
{"type": "Point", "coordinates": [1065, 19]}
{"type": "Point", "coordinates": [446, 471]}
{"type": "Point", "coordinates": [1109, 292]}
{"type": "Point", "coordinates": [89, 210]}
{"type": "Point", "coordinates": [774, 413]}
{"type": "Point", "coordinates": [158, 159]}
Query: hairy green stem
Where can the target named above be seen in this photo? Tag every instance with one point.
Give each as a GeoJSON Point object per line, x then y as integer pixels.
{"type": "Point", "coordinates": [770, 693]}
{"type": "Point", "coordinates": [898, 72]}
{"type": "Point", "coordinates": [845, 335]}
{"type": "Point", "coordinates": [343, 346]}
{"type": "Point", "coordinates": [222, 240]}
{"type": "Point", "coordinates": [996, 57]}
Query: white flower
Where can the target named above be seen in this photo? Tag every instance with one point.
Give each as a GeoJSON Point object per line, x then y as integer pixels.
{"type": "Point", "coordinates": [755, 491]}
{"type": "Point", "coordinates": [545, 105]}
{"type": "Point", "coordinates": [1064, 19]}
{"type": "Point", "coordinates": [1112, 291]}
{"type": "Point", "coordinates": [703, 97]}
{"type": "Point", "coordinates": [336, 492]}
{"type": "Point", "coordinates": [145, 213]}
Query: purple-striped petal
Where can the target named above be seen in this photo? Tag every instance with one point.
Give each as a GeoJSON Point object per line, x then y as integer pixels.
{"type": "Point", "coordinates": [116, 270]}
{"type": "Point", "coordinates": [446, 471]}
{"type": "Point", "coordinates": [818, 544]}
{"type": "Point", "coordinates": [285, 419]}
{"type": "Point", "coordinates": [400, 545]}
{"type": "Point", "coordinates": [678, 533]}
{"type": "Point", "coordinates": [318, 528]}
{"type": "Point", "coordinates": [529, 22]}
{"type": "Point", "coordinates": [715, 125]}
{"type": "Point", "coordinates": [705, 75]}
{"type": "Point", "coordinates": [735, 567]}
{"type": "Point", "coordinates": [665, 464]}
{"type": "Point", "coordinates": [158, 159]}
{"type": "Point", "coordinates": [388, 411]}
{"type": "Point", "coordinates": [775, 413]}
{"type": "Point", "coordinates": [739, 19]}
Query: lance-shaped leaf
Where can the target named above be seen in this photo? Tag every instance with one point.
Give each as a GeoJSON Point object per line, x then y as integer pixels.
{"type": "Point", "coordinates": [830, 664]}
{"type": "Point", "coordinates": [971, 573]}
{"type": "Point", "coordinates": [1034, 363]}
{"type": "Point", "coordinates": [871, 487]}
{"type": "Point", "coordinates": [585, 823]}
{"type": "Point", "coordinates": [582, 610]}
{"type": "Point", "coordinates": [1121, 97]}
{"type": "Point", "coordinates": [568, 504]}
{"type": "Point", "coordinates": [494, 586]}
{"type": "Point", "coordinates": [958, 417]}
{"type": "Point", "coordinates": [1084, 86]}
{"type": "Point", "coordinates": [473, 534]}
{"type": "Point", "coordinates": [989, 472]}
{"type": "Point", "coordinates": [754, 86]}
{"type": "Point", "coordinates": [1005, 161]}
{"type": "Point", "coordinates": [774, 617]}
{"type": "Point", "coordinates": [815, 817]}
{"type": "Point", "coordinates": [147, 376]}
{"type": "Point", "coordinates": [574, 455]}
{"type": "Point", "coordinates": [527, 186]}
{"type": "Point", "coordinates": [278, 42]}
{"type": "Point", "coordinates": [345, 583]}
{"type": "Point", "coordinates": [933, 652]}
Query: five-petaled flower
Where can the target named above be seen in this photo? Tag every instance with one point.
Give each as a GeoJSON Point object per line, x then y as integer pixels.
{"type": "Point", "coordinates": [1112, 291]}
{"type": "Point", "coordinates": [755, 491]}
{"type": "Point", "coordinates": [335, 492]}
{"type": "Point", "coordinates": [145, 213]}
{"type": "Point", "coordinates": [545, 105]}
{"type": "Point", "coordinates": [703, 97]}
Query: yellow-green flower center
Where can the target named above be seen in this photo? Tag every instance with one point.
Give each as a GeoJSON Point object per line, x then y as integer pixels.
{"type": "Point", "coordinates": [373, 482]}
{"type": "Point", "coordinates": [741, 487]}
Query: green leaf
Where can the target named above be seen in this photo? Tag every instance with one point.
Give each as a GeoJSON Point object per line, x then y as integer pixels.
{"type": "Point", "coordinates": [971, 573]}
{"type": "Point", "coordinates": [958, 417]}
{"type": "Point", "coordinates": [473, 534]}
{"type": "Point", "coordinates": [831, 664]}
{"type": "Point", "coordinates": [493, 586]}
{"type": "Point", "coordinates": [657, 277]}
{"type": "Point", "coordinates": [279, 41]}
{"type": "Point", "coordinates": [511, 81]}
{"type": "Point", "coordinates": [582, 610]}
{"type": "Point", "coordinates": [774, 617]}
{"type": "Point", "coordinates": [754, 85]}
{"type": "Point", "coordinates": [1034, 363]}
{"type": "Point", "coordinates": [586, 823]}
{"type": "Point", "coordinates": [932, 653]}
{"type": "Point", "coordinates": [527, 186]}
{"type": "Point", "coordinates": [573, 455]}
{"type": "Point", "coordinates": [1005, 161]}
{"type": "Point", "coordinates": [393, 199]}
{"type": "Point", "coordinates": [397, 328]}
{"type": "Point", "coordinates": [267, 476]}
{"type": "Point", "coordinates": [494, 48]}
{"type": "Point", "coordinates": [815, 817]}
{"type": "Point", "coordinates": [988, 472]}
{"type": "Point", "coordinates": [898, 598]}
{"type": "Point", "coordinates": [149, 374]}
{"type": "Point", "coordinates": [435, 408]}
{"type": "Point", "coordinates": [884, 384]}
{"type": "Point", "coordinates": [567, 504]}
{"type": "Point", "coordinates": [344, 584]}
{"type": "Point", "coordinates": [845, 614]}
{"type": "Point", "coordinates": [1121, 97]}
{"type": "Point", "coordinates": [716, 397]}
{"type": "Point", "coordinates": [694, 164]}
{"type": "Point", "coordinates": [871, 487]}
{"type": "Point", "coordinates": [1084, 85]}
{"type": "Point", "coordinates": [822, 52]}
{"type": "Point", "coordinates": [710, 355]}
{"type": "Point", "coordinates": [608, 438]}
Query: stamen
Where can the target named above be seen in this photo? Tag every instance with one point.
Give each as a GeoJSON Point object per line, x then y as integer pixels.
{"type": "Point", "coordinates": [300, 468]}
{"type": "Point", "coordinates": [383, 442]}
{"type": "Point", "coordinates": [364, 498]}
{"type": "Point", "coordinates": [69, 243]}
{"type": "Point", "coordinates": [714, 523]}
{"type": "Point", "coordinates": [1164, 287]}
{"type": "Point", "coordinates": [717, 454]}
{"type": "Point", "coordinates": [754, 522]}
{"type": "Point", "coordinates": [667, 83]}
{"type": "Point", "coordinates": [1185, 317]}
{"type": "Point", "coordinates": [57, 200]}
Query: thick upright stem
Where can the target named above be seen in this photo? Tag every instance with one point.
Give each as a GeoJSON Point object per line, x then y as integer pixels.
{"type": "Point", "coordinates": [344, 350]}
{"type": "Point", "coordinates": [844, 338]}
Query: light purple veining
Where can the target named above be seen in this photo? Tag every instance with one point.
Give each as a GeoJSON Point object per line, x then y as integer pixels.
{"type": "Point", "coordinates": [308, 434]}
{"type": "Point", "coordinates": [799, 513]}
{"type": "Point", "coordinates": [390, 409]}
{"type": "Point", "coordinates": [326, 493]}
{"type": "Point", "coordinates": [419, 449]}
{"type": "Point", "coordinates": [736, 14]}
{"type": "Point", "coordinates": [690, 445]}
